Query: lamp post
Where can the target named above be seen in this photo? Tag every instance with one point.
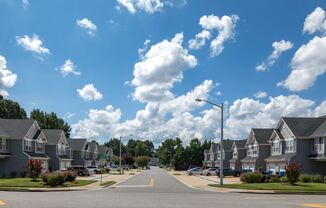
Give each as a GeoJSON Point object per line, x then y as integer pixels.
{"type": "Point", "coordinates": [221, 106]}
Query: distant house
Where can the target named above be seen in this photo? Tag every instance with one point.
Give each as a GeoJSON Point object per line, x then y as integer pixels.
{"type": "Point", "coordinates": [298, 139]}
{"type": "Point", "coordinates": [94, 153]}
{"type": "Point", "coordinates": [210, 156]}
{"type": "Point", "coordinates": [238, 153]}
{"type": "Point", "coordinates": [81, 152]}
{"type": "Point", "coordinates": [105, 151]}
{"type": "Point", "coordinates": [258, 149]}
{"type": "Point", "coordinates": [227, 153]}
{"type": "Point", "coordinates": [58, 149]}
{"type": "Point", "coordinates": [21, 140]}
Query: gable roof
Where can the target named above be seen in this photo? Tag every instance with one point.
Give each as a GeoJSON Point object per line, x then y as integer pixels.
{"type": "Point", "coordinates": [262, 136]}
{"type": "Point", "coordinates": [320, 131]}
{"type": "Point", "coordinates": [77, 144]}
{"type": "Point", "coordinates": [227, 144]}
{"type": "Point", "coordinates": [303, 126]}
{"type": "Point", "coordinates": [92, 145]}
{"type": "Point", "coordinates": [240, 143]}
{"type": "Point", "coordinates": [214, 147]}
{"type": "Point", "coordinates": [15, 128]}
{"type": "Point", "coordinates": [52, 135]}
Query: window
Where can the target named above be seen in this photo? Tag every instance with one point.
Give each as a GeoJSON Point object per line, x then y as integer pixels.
{"type": "Point", "coordinates": [40, 146]}
{"type": "Point", "coordinates": [249, 151]}
{"type": "Point", "coordinates": [290, 145]}
{"type": "Point", "coordinates": [87, 154]}
{"type": "Point", "coordinates": [255, 149]}
{"type": "Point", "coordinates": [27, 145]}
{"type": "Point", "coordinates": [61, 149]}
{"type": "Point", "coordinates": [276, 146]}
{"type": "Point", "coordinates": [3, 143]}
{"type": "Point", "coordinates": [319, 145]}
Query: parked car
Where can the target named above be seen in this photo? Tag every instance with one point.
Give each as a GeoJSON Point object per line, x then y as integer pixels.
{"type": "Point", "coordinates": [94, 169]}
{"type": "Point", "coordinates": [229, 172]}
{"type": "Point", "coordinates": [194, 171]}
{"type": "Point", "coordinates": [80, 170]}
{"type": "Point", "coordinates": [125, 167]}
{"type": "Point", "coordinates": [114, 167]}
{"type": "Point", "coordinates": [209, 171]}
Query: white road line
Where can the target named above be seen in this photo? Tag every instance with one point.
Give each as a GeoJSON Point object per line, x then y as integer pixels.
{"type": "Point", "coordinates": [131, 186]}
{"type": "Point", "coordinates": [266, 198]}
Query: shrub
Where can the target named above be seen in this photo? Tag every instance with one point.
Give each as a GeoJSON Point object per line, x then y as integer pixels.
{"type": "Point", "coordinates": [52, 179]}
{"type": "Point", "coordinates": [284, 179]}
{"type": "Point", "coordinates": [274, 179]}
{"type": "Point", "coordinates": [293, 172]}
{"type": "Point", "coordinates": [13, 174]}
{"type": "Point", "coordinates": [142, 161]}
{"type": "Point", "coordinates": [23, 174]}
{"type": "Point", "coordinates": [317, 178]}
{"type": "Point", "coordinates": [253, 177]}
{"type": "Point", "coordinates": [325, 179]}
{"type": "Point", "coordinates": [305, 178]}
{"type": "Point", "coordinates": [70, 176]}
{"type": "Point", "coordinates": [242, 177]}
{"type": "Point", "coordinates": [60, 179]}
{"type": "Point", "coordinates": [34, 169]}
{"type": "Point", "coordinates": [44, 177]}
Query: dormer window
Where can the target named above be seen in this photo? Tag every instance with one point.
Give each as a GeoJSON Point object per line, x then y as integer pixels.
{"type": "Point", "coordinates": [319, 145]}
{"type": "Point", "coordinates": [255, 149]}
{"type": "Point", "coordinates": [289, 145]}
{"type": "Point", "coordinates": [27, 145]}
{"type": "Point", "coordinates": [235, 153]}
{"type": "Point", "coordinates": [3, 144]}
{"type": "Point", "coordinates": [276, 147]}
{"type": "Point", "coordinates": [40, 147]}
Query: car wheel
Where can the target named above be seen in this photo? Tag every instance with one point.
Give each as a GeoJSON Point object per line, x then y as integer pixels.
{"type": "Point", "coordinates": [190, 173]}
{"type": "Point", "coordinates": [80, 174]}
{"type": "Point", "coordinates": [208, 174]}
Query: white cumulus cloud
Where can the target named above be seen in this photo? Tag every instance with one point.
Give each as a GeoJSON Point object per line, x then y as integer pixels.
{"type": "Point", "coordinates": [33, 44]}
{"type": "Point", "coordinates": [89, 93]}
{"type": "Point", "coordinates": [69, 68]}
{"type": "Point", "coordinates": [279, 48]}
{"type": "Point", "coordinates": [224, 27]}
{"type": "Point", "coordinates": [315, 22]}
{"type": "Point", "coordinates": [7, 78]}
{"type": "Point", "coordinates": [148, 6]}
{"type": "Point", "coordinates": [261, 94]}
{"type": "Point", "coordinates": [308, 63]}
{"type": "Point", "coordinates": [88, 25]}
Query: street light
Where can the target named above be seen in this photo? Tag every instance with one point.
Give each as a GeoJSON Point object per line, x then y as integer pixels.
{"type": "Point", "coordinates": [120, 169]}
{"type": "Point", "coordinates": [221, 106]}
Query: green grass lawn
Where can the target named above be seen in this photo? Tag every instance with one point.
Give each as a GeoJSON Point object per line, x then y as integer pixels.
{"type": "Point", "coordinates": [108, 183]}
{"type": "Point", "coordinates": [278, 187]}
{"type": "Point", "coordinates": [28, 183]}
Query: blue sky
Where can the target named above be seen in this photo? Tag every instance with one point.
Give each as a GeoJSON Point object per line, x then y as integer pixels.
{"type": "Point", "coordinates": [104, 48]}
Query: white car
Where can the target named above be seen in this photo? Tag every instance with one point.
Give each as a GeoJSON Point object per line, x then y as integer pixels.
{"type": "Point", "coordinates": [194, 171]}
{"type": "Point", "coordinates": [94, 169]}
{"type": "Point", "coordinates": [209, 171]}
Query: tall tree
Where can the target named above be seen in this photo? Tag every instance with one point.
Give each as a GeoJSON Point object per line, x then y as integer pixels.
{"type": "Point", "coordinates": [180, 159]}
{"type": "Point", "coordinates": [114, 143]}
{"type": "Point", "coordinates": [141, 149]}
{"type": "Point", "coordinates": [131, 146]}
{"type": "Point", "coordinates": [195, 152]}
{"type": "Point", "coordinates": [50, 121]}
{"type": "Point", "coordinates": [167, 150]}
{"type": "Point", "coordinates": [11, 110]}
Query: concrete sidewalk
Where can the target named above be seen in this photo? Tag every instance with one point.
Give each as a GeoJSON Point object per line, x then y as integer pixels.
{"type": "Point", "coordinates": [202, 183]}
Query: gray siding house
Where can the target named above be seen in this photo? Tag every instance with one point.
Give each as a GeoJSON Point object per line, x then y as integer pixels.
{"type": "Point", "coordinates": [94, 153]}
{"type": "Point", "coordinates": [210, 156]}
{"type": "Point", "coordinates": [298, 139]}
{"type": "Point", "coordinates": [58, 149]}
{"type": "Point", "coordinates": [238, 153]}
{"type": "Point", "coordinates": [227, 153]}
{"type": "Point", "coordinates": [258, 149]}
{"type": "Point", "coordinates": [81, 152]}
{"type": "Point", "coordinates": [21, 140]}
{"type": "Point", "coordinates": [107, 152]}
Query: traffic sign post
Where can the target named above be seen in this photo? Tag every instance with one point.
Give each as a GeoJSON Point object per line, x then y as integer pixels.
{"type": "Point", "coordinates": [102, 159]}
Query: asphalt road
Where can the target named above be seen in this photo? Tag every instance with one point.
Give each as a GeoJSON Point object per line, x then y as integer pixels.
{"type": "Point", "coordinates": [152, 188]}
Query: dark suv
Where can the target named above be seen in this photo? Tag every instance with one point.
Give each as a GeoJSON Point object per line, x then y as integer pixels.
{"type": "Point", "coordinates": [80, 170]}
{"type": "Point", "coordinates": [229, 172]}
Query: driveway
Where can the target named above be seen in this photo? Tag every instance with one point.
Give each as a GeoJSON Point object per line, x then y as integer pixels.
{"type": "Point", "coordinates": [153, 188]}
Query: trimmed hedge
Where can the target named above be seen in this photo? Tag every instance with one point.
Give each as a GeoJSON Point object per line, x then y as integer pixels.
{"type": "Point", "coordinates": [284, 179]}
{"type": "Point", "coordinates": [252, 177]}
{"type": "Point", "coordinates": [59, 178]}
{"type": "Point", "coordinates": [305, 178]}
{"type": "Point", "coordinates": [317, 178]}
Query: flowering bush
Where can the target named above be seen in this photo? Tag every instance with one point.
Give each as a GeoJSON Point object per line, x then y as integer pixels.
{"type": "Point", "coordinates": [293, 172]}
{"type": "Point", "coordinates": [69, 175]}
{"type": "Point", "coordinates": [34, 169]}
{"type": "Point", "coordinates": [252, 177]}
{"type": "Point", "coordinates": [53, 179]}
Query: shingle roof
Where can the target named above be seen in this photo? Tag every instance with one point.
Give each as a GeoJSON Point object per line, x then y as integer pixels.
{"type": "Point", "coordinates": [37, 155]}
{"type": "Point", "coordinates": [214, 146]}
{"type": "Point", "coordinates": [280, 158]}
{"type": "Point", "coordinates": [15, 128]}
{"type": "Point", "coordinates": [92, 145]}
{"type": "Point", "coordinates": [320, 131]}
{"type": "Point", "coordinates": [227, 144]}
{"type": "Point", "coordinates": [240, 143]}
{"type": "Point", "coordinates": [77, 144]}
{"type": "Point", "coordinates": [262, 136]}
{"type": "Point", "coordinates": [52, 135]}
{"type": "Point", "coordinates": [303, 127]}
{"type": "Point", "coordinates": [102, 149]}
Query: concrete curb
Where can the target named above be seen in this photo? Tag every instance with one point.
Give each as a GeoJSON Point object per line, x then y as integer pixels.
{"type": "Point", "coordinates": [23, 189]}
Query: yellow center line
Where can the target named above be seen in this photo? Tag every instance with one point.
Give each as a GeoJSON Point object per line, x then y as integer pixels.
{"type": "Point", "coordinates": [151, 183]}
{"type": "Point", "coordinates": [2, 203]}
{"type": "Point", "coordinates": [315, 205]}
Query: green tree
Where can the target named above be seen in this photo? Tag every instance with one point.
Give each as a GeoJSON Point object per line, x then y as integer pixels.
{"type": "Point", "coordinates": [115, 145]}
{"type": "Point", "coordinates": [167, 149]}
{"type": "Point", "coordinates": [150, 147]}
{"type": "Point", "coordinates": [131, 146]}
{"type": "Point", "coordinates": [180, 159]}
{"type": "Point", "coordinates": [50, 121]}
{"type": "Point", "coordinates": [128, 159]}
{"type": "Point", "coordinates": [195, 152]}
{"type": "Point", "coordinates": [11, 110]}
{"type": "Point", "coordinates": [141, 149]}
{"type": "Point", "coordinates": [142, 161]}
